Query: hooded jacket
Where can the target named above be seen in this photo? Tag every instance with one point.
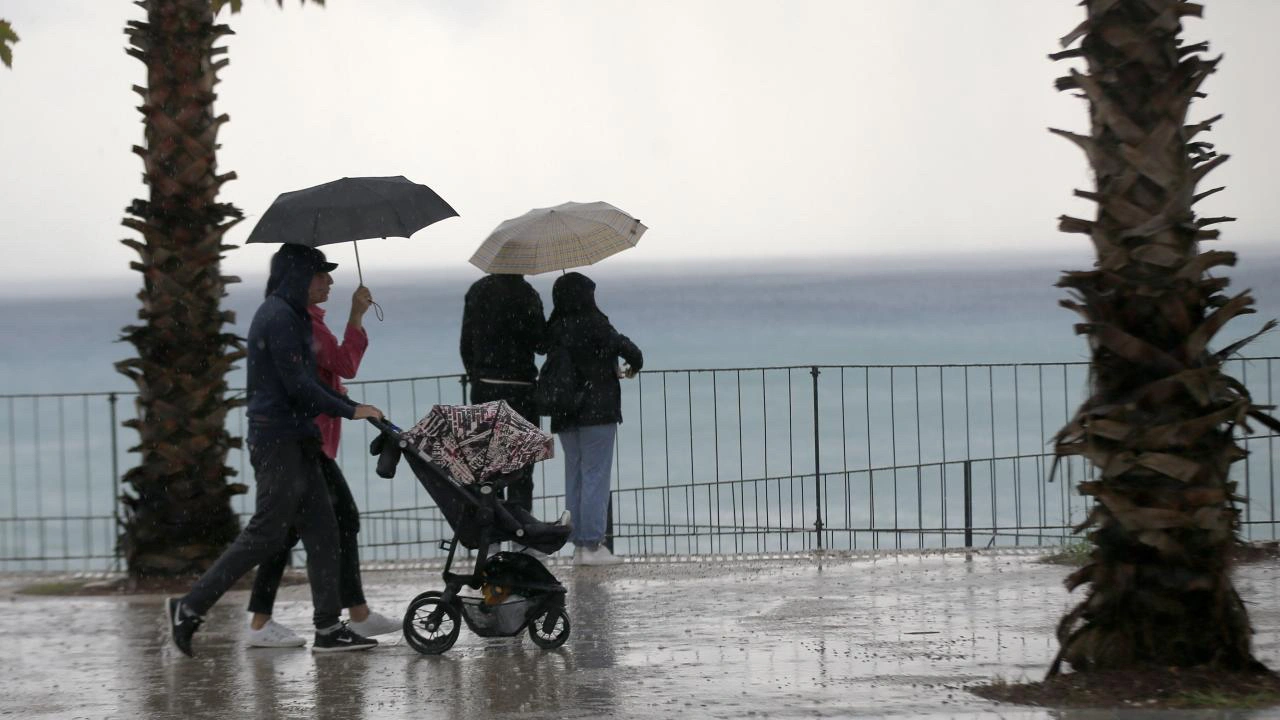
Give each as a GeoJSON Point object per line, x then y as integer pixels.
{"type": "Point", "coordinates": [502, 329]}
{"type": "Point", "coordinates": [284, 392]}
{"type": "Point", "coordinates": [594, 348]}
{"type": "Point", "coordinates": [334, 360]}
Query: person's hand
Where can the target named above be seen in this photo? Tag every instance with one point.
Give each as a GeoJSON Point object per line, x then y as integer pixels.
{"type": "Point", "coordinates": [629, 372]}
{"type": "Point", "coordinates": [365, 412]}
{"type": "Point", "coordinates": [361, 301]}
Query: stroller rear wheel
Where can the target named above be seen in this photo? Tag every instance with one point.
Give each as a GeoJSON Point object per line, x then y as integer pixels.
{"type": "Point", "coordinates": [550, 629]}
{"type": "Point", "coordinates": [431, 626]}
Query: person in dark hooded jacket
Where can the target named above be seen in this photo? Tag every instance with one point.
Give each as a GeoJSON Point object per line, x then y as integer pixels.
{"type": "Point", "coordinates": [285, 395]}
{"type": "Point", "coordinates": [587, 433]}
{"type": "Point", "coordinates": [503, 328]}
{"type": "Point", "coordinates": [334, 360]}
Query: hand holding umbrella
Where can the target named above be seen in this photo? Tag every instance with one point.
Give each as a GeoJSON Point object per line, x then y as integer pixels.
{"type": "Point", "coordinates": [361, 301]}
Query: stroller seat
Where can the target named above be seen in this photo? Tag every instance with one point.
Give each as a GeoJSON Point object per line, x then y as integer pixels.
{"type": "Point", "coordinates": [541, 536]}
{"type": "Point", "coordinates": [474, 512]}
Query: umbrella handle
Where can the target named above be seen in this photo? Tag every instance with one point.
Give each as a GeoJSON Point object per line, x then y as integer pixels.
{"type": "Point", "coordinates": [377, 309]}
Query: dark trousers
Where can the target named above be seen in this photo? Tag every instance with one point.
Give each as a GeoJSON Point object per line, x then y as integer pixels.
{"type": "Point", "coordinates": [292, 494]}
{"type": "Point", "coordinates": [520, 398]}
{"type": "Point", "coordinates": [350, 588]}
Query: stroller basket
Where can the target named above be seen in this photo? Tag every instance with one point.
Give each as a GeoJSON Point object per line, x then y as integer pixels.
{"type": "Point", "coordinates": [502, 620]}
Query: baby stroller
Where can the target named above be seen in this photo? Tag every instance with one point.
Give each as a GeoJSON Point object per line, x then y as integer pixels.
{"type": "Point", "coordinates": [462, 456]}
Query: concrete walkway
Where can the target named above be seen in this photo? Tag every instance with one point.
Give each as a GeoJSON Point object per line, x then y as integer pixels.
{"type": "Point", "coordinates": [728, 638]}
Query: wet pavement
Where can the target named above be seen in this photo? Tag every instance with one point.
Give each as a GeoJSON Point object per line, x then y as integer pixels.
{"type": "Point", "coordinates": [797, 637]}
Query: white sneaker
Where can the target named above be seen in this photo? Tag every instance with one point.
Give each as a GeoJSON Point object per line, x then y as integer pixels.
{"type": "Point", "coordinates": [274, 635]}
{"type": "Point", "coordinates": [375, 624]}
{"type": "Point", "coordinates": [599, 556]}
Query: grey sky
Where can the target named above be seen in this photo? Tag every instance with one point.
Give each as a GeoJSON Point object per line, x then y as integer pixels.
{"type": "Point", "coordinates": [788, 128]}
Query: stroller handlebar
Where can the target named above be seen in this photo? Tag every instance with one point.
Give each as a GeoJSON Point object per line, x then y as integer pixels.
{"type": "Point", "coordinates": [385, 426]}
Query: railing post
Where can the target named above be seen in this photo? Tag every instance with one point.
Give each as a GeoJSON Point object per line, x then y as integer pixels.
{"type": "Point", "coordinates": [115, 476]}
{"type": "Point", "coordinates": [608, 524]}
{"type": "Point", "coordinates": [968, 503]}
{"type": "Point", "coordinates": [817, 456]}
{"type": "Point", "coordinates": [462, 380]}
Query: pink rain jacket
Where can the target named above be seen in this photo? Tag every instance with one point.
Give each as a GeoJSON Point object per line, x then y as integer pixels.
{"type": "Point", "coordinates": [334, 361]}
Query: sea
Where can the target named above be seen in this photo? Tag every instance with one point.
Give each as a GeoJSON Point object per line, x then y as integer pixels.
{"type": "Point", "coordinates": [769, 386]}
{"type": "Point", "coordinates": [884, 310]}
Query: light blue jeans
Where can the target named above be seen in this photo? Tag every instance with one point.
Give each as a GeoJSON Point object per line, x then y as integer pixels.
{"type": "Point", "coordinates": [588, 458]}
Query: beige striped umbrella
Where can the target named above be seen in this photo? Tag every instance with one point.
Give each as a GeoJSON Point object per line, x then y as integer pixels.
{"type": "Point", "coordinates": [557, 238]}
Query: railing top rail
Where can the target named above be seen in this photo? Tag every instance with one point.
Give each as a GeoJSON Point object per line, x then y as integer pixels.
{"type": "Point", "coordinates": [416, 378]}
{"type": "Point", "coordinates": [820, 366]}
{"type": "Point", "coordinates": [872, 366]}
{"type": "Point", "coordinates": [36, 396]}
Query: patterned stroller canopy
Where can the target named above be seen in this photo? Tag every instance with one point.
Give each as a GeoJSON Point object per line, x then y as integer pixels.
{"type": "Point", "coordinates": [476, 442]}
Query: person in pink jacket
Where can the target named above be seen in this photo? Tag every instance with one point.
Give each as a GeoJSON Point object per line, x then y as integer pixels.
{"type": "Point", "coordinates": [335, 360]}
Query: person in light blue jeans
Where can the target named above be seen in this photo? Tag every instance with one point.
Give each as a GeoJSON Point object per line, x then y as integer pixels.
{"type": "Point", "coordinates": [588, 458]}
{"type": "Point", "coordinates": [587, 432]}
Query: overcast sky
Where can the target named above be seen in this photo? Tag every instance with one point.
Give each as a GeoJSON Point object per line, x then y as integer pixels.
{"type": "Point", "coordinates": [743, 128]}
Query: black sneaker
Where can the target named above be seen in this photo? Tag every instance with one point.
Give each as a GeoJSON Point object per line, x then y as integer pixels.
{"type": "Point", "coordinates": [341, 640]}
{"type": "Point", "coordinates": [182, 624]}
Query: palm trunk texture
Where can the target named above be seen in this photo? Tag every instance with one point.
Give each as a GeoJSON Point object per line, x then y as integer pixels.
{"type": "Point", "coordinates": [178, 516]}
{"type": "Point", "coordinates": [1159, 427]}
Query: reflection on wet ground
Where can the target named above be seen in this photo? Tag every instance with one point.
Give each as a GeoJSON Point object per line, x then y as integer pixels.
{"type": "Point", "coordinates": [763, 638]}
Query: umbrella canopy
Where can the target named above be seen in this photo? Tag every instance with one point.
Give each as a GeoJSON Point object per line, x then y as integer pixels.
{"type": "Point", "coordinates": [476, 442]}
{"type": "Point", "coordinates": [351, 209]}
{"type": "Point", "coordinates": [557, 238]}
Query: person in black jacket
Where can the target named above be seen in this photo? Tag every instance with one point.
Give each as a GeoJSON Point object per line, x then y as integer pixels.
{"type": "Point", "coordinates": [284, 447]}
{"type": "Point", "coordinates": [587, 433]}
{"type": "Point", "coordinates": [503, 327]}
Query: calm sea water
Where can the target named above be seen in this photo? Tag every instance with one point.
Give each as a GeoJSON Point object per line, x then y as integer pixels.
{"type": "Point", "coordinates": [844, 312]}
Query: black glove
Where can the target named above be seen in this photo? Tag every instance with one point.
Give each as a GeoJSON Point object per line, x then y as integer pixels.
{"type": "Point", "coordinates": [388, 459]}
{"type": "Point", "coordinates": [388, 451]}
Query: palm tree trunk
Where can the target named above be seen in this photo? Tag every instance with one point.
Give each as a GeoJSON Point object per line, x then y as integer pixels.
{"type": "Point", "coordinates": [1159, 426]}
{"type": "Point", "coordinates": [178, 516]}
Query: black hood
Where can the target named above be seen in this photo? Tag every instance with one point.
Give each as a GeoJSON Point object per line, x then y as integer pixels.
{"type": "Point", "coordinates": [292, 268]}
{"type": "Point", "coordinates": [573, 294]}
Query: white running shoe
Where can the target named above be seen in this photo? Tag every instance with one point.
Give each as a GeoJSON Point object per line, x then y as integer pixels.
{"type": "Point", "coordinates": [597, 557]}
{"type": "Point", "coordinates": [375, 624]}
{"type": "Point", "coordinates": [274, 635]}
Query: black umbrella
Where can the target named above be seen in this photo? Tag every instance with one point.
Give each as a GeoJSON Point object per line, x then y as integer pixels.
{"type": "Point", "coordinates": [351, 209]}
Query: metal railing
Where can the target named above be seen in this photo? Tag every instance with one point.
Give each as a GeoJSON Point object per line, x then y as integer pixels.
{"type": "Point", "coordinates": [721, 460]}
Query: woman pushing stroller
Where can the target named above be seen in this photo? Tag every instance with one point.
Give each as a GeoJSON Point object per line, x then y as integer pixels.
{"type": "Point", "coordinates": [335, 360]}
{"type": "Point", "coordinates": [285, 450]}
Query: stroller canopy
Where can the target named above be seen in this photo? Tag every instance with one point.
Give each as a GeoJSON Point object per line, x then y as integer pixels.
{"type": "Point", "coordinates": [476, 442]}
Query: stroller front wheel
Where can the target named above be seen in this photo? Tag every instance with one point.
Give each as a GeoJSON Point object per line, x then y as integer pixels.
{"type": "Point", "coordinates": [550, 630]}
{"type": "Point", "coordinates": [431, 626]}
